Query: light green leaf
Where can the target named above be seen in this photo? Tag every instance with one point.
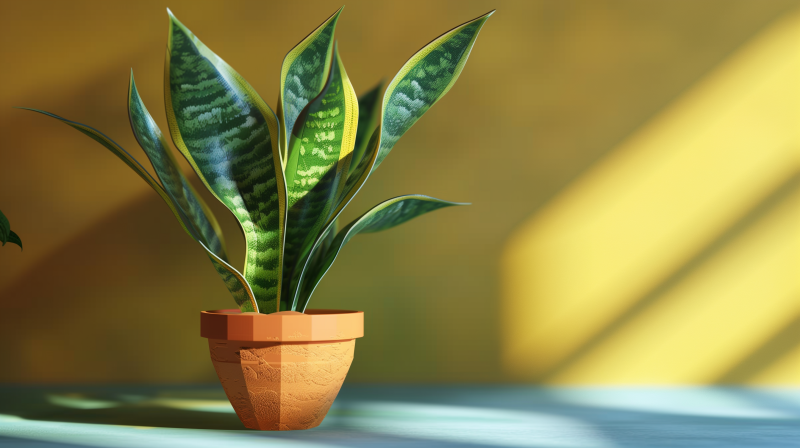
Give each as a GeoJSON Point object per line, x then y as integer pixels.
{"type": "Point", "coordinates": [230, 137]}
{"type": "Point", "coordinates": [14, 238]}
{"type": "Point", "coordinates": [369, 112]}
{"type": "Point", "coordinates": [5, 228]}
{"type": "Point", "coordinates": [303, 73]}
{"type": "Point", "coordinates": [385, 215]}
{"type": "Point", "coordinates": [321, 146]}
{"type": "Point", "coordinates": [248, 305]}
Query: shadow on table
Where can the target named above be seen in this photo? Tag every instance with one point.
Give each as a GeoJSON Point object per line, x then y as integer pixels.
{"type": "Point", "coordinates": [140, 406]}
{"type": "Point", "coordinates": [436, 416]}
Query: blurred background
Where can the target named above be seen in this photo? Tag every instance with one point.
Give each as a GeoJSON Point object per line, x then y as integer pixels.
{"type": "Point", "coordinates": [634, 169]}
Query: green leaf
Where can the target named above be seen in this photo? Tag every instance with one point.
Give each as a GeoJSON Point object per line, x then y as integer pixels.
{"type": "Point", "coordinates": [14, 238]}
{"type": "Point", "coordinates": [321, 146]}
{"type": "Point", "coordinates": [230, 137]}
{"type": "Point", "coordinates": [424, 80]}
{"type": "Point", "coordinates": [369, 112]}
{"type": "Point", "coordinates": [129, 160]}
{"type": "Point", "coordinates": [421, 82]}
{"type": "Point", "coordinates": [5, 228]}
{"type": "Point", "coordinates": [385, 215]}
{"type": "Point", "coordinates": [303, 73]}
{"type": "Point", "coordinates": [202, 222]}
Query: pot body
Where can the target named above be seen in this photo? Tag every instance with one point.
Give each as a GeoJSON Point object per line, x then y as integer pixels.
{"type": "Point", "coordinates": [281, 371]}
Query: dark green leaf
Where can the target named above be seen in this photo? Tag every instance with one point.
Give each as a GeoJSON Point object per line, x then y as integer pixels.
{"type": "Point", "coordinates": [385, 215]}
{"type": "Point", "coordinates": [369, 112]}
{"type": "Point", "coordinates": [230, 137]}
{"type": "Point", "coordinates": [14, 238]}
{"type": "Point", "coordinates": [5, 228]}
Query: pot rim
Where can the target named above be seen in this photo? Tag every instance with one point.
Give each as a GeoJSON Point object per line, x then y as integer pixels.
{"type": "Point", "coordinates": [315, 325]}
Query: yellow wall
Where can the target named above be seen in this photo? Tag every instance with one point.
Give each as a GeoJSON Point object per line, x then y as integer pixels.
{"type": "Point", "coordinates": [633, 168]}
{"type": "Point", "coordinates": [676, 259]}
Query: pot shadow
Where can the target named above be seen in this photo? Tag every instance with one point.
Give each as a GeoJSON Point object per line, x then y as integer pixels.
{"type": "Point", "coordinates": [139, 406]}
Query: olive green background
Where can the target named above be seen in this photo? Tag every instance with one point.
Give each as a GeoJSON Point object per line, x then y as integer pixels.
{"type": "Point", "coordinates": [109, 289]}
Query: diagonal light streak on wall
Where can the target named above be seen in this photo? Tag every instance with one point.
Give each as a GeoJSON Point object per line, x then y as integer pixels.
{"type": "Point", "coordinates": [655, 204]}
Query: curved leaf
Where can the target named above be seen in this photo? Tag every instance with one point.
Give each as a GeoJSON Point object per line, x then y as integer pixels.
{"type": "Point", "coordinates": [201, 220]}
{"type": "Point", "coordinates": [385, 215]}
{"type": "Point", "coordinates": [230, 137]}
{"type": "Point", "coordinates": [369, 112]}
{"type": "Point", "coordinates": [420, 83]}
{"type": "Point", "coordinates": [5, 228]}
{"type": "Point", "coordinates": [246, 303]}
{"type": "Point", "coordinates": [14, 238]}
{"type": "Point", "coordinates": [321, 146]}
{"type": "Point", "coordinates": [303, 73]}
{"type": "Point", "coordinates": [424, 80]}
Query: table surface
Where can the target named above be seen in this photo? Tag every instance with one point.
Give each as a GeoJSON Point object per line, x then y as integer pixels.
{"type": "Point", "coordinates": [408, 416]}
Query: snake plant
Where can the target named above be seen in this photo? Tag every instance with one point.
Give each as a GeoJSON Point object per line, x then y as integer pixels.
{"type": "Point", "coordinates": [285, 176]}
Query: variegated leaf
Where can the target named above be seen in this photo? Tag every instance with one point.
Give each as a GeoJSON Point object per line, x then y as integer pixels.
{"type": "Point", "coordinates": [420, 83]}
{"type": "Point", "coordinates": [230, 137]}
{"type": "Point", "coordinates": [383, 216]}
{"type": "Point", "coordinates": [321, 146]}
{"type": "Point", "coordinates": [369, 112]}
{"type": "Point", "coordinates": [200, 221]}
{"type": "Point", "coordinates": [228, 273]}
{"type": "Point", "coordinates": [424, 80]}
{"type": "Point", "coordinates": [303, 73]}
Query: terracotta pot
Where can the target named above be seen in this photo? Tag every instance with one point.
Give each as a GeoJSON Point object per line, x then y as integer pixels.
{"type": "Point", "coordinates": [281, 371]}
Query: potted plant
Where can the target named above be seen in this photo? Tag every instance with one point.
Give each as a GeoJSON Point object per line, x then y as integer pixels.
{"type": "Point", "coordinates": [6, 234]}
{"type": "Point", "coordinates": [286, 177]}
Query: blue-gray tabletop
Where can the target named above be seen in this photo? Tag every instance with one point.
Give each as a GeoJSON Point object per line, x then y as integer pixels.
{"type": "Point", "coordinates": [408, 416]}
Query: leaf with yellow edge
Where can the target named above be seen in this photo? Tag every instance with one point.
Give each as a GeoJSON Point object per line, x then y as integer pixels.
{"type": "Point", "coordinates": [385, 215]}
{"type": "Point", "coordinates": [321, 146]}
{"type": "Point", "coordinates": [303, 73]}
{"type": "Point", "coordinates": [230, 137]}
{"type": "Point", "coordinates": [235, 282]}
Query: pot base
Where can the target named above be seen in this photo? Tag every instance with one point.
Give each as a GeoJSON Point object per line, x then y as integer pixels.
{"type": "Point", "coordinates": [281, 386]}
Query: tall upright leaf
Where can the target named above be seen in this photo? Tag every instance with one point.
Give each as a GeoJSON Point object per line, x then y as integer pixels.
{"type": "Point", "coordinates": [385, 215]}
{"type": "Point", "coordinates": [233, 279]}
{"type": "Point", "coordinates": [321, 146]}
{"type": "Point", "coordinates": [420, 83]}
{"type": "Point", "coordinates": [200, 221]}
{"type": "Point", "coordinates": [369, 112]}
{"type": "Point", "coordinates": [303, 73]}
{"type": "Point", "coordinates": [230, 137]}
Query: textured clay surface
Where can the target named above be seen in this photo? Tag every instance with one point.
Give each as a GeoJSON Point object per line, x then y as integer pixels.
{"type": "Point", "coordinates": [281, 385]}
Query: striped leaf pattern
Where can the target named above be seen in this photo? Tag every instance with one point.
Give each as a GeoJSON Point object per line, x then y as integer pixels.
{"type": "Point", "coordinates": [385, 215]}
{"type": "Point", "coordinates": [200, 221]}
{"type": "Point", "coordinates": [420, 83]}
{"type": "Point", "coordinates": [229, 136]}
{"type": "Point", "coordinates": [424, 80]}
{"type": "Point", "coordinates": [228, 273]}
{"type": "Point", "coordinates": [320, 149]}
{"type": "Point", "coordinates": [303, 73]}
